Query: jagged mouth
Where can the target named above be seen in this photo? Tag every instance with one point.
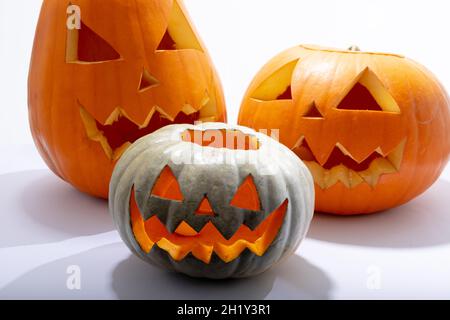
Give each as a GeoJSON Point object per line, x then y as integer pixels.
{"type": "Point", "coordinates": [342, 167]}
{"type": "Point", "coordinates": [120, 131]}
{"type": "Point", "coordinates": [209, 240]}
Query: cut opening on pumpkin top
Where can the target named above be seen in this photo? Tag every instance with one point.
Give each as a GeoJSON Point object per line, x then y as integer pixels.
{"type": "Point", "coordinates": [221, 139]}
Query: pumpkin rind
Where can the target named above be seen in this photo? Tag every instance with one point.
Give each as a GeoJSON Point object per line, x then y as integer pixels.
{"type": "Point", "coordinates": [141, 165]}
{"type": "Point", "coordinates": [72, 103]}
{"type": "Point", "coordinates": [412, 127]}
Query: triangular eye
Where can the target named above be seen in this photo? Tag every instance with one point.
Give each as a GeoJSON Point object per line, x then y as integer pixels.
{"type": "Point", "coordinates": [179, 34]}
{"type": "Point", "coordinates": [84, 45]}
{"type": "Point", "coordinates": [167, 187]}
{"type": "Point", "coordinates": [313, 112]}
{"type": "Point", "coordinates": [147, 81]}
{"type": "Point", "coordinates": [278, 85]}
{"type": "Point", "coordinates": [369, 94]}
{"type": "Point", "coordinates": [247, 196]}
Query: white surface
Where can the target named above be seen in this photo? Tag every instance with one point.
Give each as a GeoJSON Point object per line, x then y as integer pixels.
{"type": "Point", "coordinates": [47, 226]}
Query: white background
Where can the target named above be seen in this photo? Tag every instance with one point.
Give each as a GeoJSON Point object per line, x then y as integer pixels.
{"type": "Point", "coordinates": [47, 226]}
{"type": "Point", "coordinates": [242, 35]}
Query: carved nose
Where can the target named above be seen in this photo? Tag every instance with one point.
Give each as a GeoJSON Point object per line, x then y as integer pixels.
{"type": "Point", "coordinates": [205, 208]}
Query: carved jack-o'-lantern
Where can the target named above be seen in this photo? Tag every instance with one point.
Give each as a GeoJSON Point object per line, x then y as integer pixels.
{"type": "Point", "coordinates": [105, 73]}
{"type": "Point", "coordinates": [373, 128]}
{"type": "Point", "coordinates": [233, 211]}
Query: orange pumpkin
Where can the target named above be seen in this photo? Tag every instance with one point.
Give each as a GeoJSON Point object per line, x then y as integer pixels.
{"type": "Point", "coordinates": [105, 73]}
{"type": "Point", "coordinates": [373, 128]}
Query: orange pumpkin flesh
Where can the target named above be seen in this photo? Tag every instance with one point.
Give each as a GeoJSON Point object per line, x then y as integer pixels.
{"type": "Point", "coordinates": [186, 240]}
{"type": "Point", "coordinates": [203, 244]}
{"type": "Point", "coordinates": [373, 128]}
{"type": "Point", "coordinates": [133, 67]}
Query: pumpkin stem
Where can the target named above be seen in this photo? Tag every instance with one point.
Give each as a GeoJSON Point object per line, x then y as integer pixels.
{"type": "Point", "coordinates": [354, 48]}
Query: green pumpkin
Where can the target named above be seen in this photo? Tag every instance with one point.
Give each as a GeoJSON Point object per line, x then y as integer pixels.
{"type": "Point", "coordinates": [183, 201]}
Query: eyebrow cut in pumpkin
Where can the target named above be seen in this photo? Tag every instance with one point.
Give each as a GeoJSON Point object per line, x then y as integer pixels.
{"type": "Point", "coordinates": [166, 186]}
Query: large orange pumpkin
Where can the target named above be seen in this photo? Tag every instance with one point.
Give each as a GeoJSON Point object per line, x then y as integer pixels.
{"type": "Point", "coordinates": [105, 73]}
{"type": "Point", "coordinates": [373, 128]}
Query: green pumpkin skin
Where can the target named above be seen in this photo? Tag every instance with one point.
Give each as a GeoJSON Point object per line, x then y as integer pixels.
{"type": "Point", "coordinates": [278, 174]}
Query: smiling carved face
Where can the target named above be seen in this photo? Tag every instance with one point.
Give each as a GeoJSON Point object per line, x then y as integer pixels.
{"type": "Point", "coordinates": [127, 69]}
{"type": "Point", "coordinates": [221, 215]}
{"type": "Point", "coordinates": [372, 128]}
{"type": "Point", "coordinates": [202, 232]}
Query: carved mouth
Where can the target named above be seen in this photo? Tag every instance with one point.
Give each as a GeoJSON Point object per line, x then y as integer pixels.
{"type": "Point", "coordinates": [342, 167]}
{"type": "Point", "coordinates": [206, 242]}
{"type": "Point", "coordinates": [120, 131]}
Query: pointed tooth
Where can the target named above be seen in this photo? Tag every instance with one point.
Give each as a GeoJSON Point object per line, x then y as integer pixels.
{"type": "Point", "coordinates": [206, 99]}
{"type": "Point", "coordinates": [379, 151]}
{"type": "Point", "coordinates": [208, 106]}
{"type": "Point", "coordinates": [114, 116]}
{"type": "Point", "coordinates": [377, 168]}
{"type": "Point", "coordinates": [354, 179]}
{"type": "Point", "coordinates": [89, 124]}
{"type": "Point", "coordinates": [369, 176]}
{"type": "Point", "coordinates": [164, 114]}
{"type": "Point", "coordinates": [177, 252]}
{"type": "Point", "coordinates": [139, 232]}
{"type": "Point", "coordinates": [384, 166]}
{"type": "Point", "coordinates": [317, 172]}
{"type": "Point", "coordinates": [121, 150]}
{"type": "Point", "coordinates": [172, 223]}
{"type": "Point", "coordinates": [344, 151]}
{"type": "Point", "coordinates": [188, 109]}
{"type": "Point", "coordinates": [148, 118]}
{"type": "Point", "coordinates": [203, 252]}
{"type": "Point", "coordinates": [229, 253]}
{"type": "Point", "coordinates": [184, 229]}
{"type": "Point", "coordinates": [203, 223]}
{"type": "Point", "coordinates": [230, 230]}
{"type": "Point", "coordinates": [259, 246]}
{"type": "Point", "coordinates": [396, 156]}
{"type": "Point", "coordinates": [341, 174]}
{"type": "Point", "coordinates": [299, 142]}
{"type": "Point", "coordinates": [332, 176]}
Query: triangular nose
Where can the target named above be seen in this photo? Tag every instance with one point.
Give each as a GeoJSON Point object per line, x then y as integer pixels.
{"type": "Point", "coordinates": [313, 112]}
{"type": "Point", "coordinates": [147, 80]}
{"type": "Point", "coordinates": [205, 208]}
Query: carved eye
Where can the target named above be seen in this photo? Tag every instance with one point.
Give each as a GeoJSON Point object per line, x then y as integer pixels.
{"type": "Point", "coordinates": [86, 46]}
{"type": "Point", "coordinates": [167, 187]}
{"type": "Point", "coordinates": [247, 196]}
{"type": "Point", "coordinates": [278, 85]}
{"type": "Point", "coordinates": [179, 34]}
{"type": "Point", "coordinates": [369, 94]}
